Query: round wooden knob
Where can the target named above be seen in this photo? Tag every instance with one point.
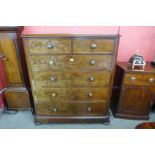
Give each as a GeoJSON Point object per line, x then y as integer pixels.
{"type": "Point", "coordinates": [89, 109]}
{"type": "Point", "coordinates": [151, 80]}
{"type": "Point", "coordinates": [91, 79]}
{"type": "Point", "coordinates": [133, 78]}
{"type": "Point", "coordinates": [50, 45]}
{"type": "Point", "coordinates": [51, 62]}
{"type": "Point", "coordinates": [54, 95]}
{"type": "Point", "coordinates": [71, 59]}
{"type": "Point", "coordinates": [93, 46]}
{"type": "Point", "coordinates": [92, 62]}
{"type": "Point", "coordinates": [90, 94]}
{"type": "Point", "coordinates": [53, 78]}
{"type": "Point", "coordinates": [55, 109]}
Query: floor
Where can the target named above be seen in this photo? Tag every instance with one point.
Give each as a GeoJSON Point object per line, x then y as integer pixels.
{"type": "Point", "coordinates": [25, 120]}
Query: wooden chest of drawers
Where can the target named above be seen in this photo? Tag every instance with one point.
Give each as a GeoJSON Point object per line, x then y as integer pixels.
{"type": "Point", "coordinates": [134, 92]}
{"type": "Point", "coordinates": [71, 76]}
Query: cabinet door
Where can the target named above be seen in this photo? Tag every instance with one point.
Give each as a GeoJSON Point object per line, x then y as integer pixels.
{"type": "Point", "coordinates": [153, 95]}
{"type": "Point", "coordinates": [135, 101]}
{"type": "Point", "coordinates": [11, 63]}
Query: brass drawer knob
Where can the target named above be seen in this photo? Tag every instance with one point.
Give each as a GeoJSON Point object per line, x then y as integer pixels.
{"type": "Point", "coordinates": [50, 45]}
{"type": "Point", "coordinates": [90, 94]}
{"type": "Point", "coordinates": [93, 46]}
{"type": "Point", "coordinates": [51, 62]}
{"type": "Point", "coordinates": [71, 59]}
{"type": "Point", "coordinates": [54, 94]}
{"type": "Point", "coordinates": [133, 78]}
{"type": "Point", "coordinates": [3, 57]}
{"type": "Point", "coordinates": [92, 62]}
{"type": "Point", "coordinates": [55, 109]}
{"type": "Point", "coordinates": [91, 79]}
{"type": "Point", "coordinates": [89, 109]}
{"type": "Point", "coordinates": [53, 78]}
{"type": "Point", "coordinates": [151, 80]}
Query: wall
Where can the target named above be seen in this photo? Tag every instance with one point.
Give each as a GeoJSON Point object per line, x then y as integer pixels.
{"type": "Point", "coordinates": [132, 37]}
{"type": "Point", "coordinates": [142, 37]}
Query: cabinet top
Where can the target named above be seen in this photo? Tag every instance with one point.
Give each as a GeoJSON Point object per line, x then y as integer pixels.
{"type": "Point", "coordinates": [110, 36]}
{"type": "Point", "coordinates": [148, 68]}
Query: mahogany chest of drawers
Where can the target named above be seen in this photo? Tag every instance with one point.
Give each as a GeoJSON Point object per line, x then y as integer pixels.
{"type": "Point", "coordinates": [134, 92]}
{"type": "Point", "coordinates": [71, 76]}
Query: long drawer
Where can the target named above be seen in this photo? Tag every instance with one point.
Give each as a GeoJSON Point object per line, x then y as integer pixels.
{"type": "Point", "coordinates": [99, 108]}
{"type": "Point", "coordinates": [42, 62]}
{"type": "Point", "coordinates": [85, 45]}
{"type": "Point", "coordinates": [139, 79]}
{"type": "Point", "coordinates": [72, 78]}
{"type": "Point", "coordinates": [49, 45]}
{"type": "Point", "coordinates": [66, 94]}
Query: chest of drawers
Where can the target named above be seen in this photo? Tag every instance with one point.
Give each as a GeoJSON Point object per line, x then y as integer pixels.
{"type": "Point", "coordinates": [71, 76]}
{"type": "Point", "coordinates": [134, 92]}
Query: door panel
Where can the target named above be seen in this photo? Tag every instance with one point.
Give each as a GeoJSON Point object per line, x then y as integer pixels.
{"type": "Point", "coordinates": [11, 63]}
{"type": "Point", "coordinates": [135, 100]}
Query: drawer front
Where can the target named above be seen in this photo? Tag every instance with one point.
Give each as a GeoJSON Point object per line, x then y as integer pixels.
{"type": "Point", "coordinates": [93, 45]}
{"type": "Point", "coordinates": [62, 94]}
{"type": "Point", "coordinates": [49, 46]}
{"type": "Point", "coordinates": [71, 108]}
{"type": "Point", "coordinates": [67, 62]}
{"type": "Point", "coordinates": [74, 78]}
{"type": "Point", "coordinates": [139, 79]}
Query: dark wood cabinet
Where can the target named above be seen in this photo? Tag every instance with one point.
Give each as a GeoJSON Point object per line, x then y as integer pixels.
{"type": "Point", "coordinates": [133, 93]}
{"type": "Point", "coordinates": [16, 93]}
{"type": "Point", "coordinates": [71, 76]}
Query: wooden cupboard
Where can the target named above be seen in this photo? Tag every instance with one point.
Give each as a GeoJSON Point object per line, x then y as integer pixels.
{"type": "Point", "coordinates": [133, 93]}
{"type": "Point", "coordinates": [16, 93]}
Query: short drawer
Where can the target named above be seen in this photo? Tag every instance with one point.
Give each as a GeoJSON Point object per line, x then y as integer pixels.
{"type": "Point", "coordinates": [71, 62]}
{"type": "Point", "coordinates": [139, 79]}
{"type": "Point", "coordinates": [71, 108]}
{"type": "Point", "coordinates": [81, 45]}
{"type": "Point", "coordinates": [62, 94]}
{"type": "Point", "coordinates": [49, 46]}
{"type": "Point", "coordinates": [73, 78]}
